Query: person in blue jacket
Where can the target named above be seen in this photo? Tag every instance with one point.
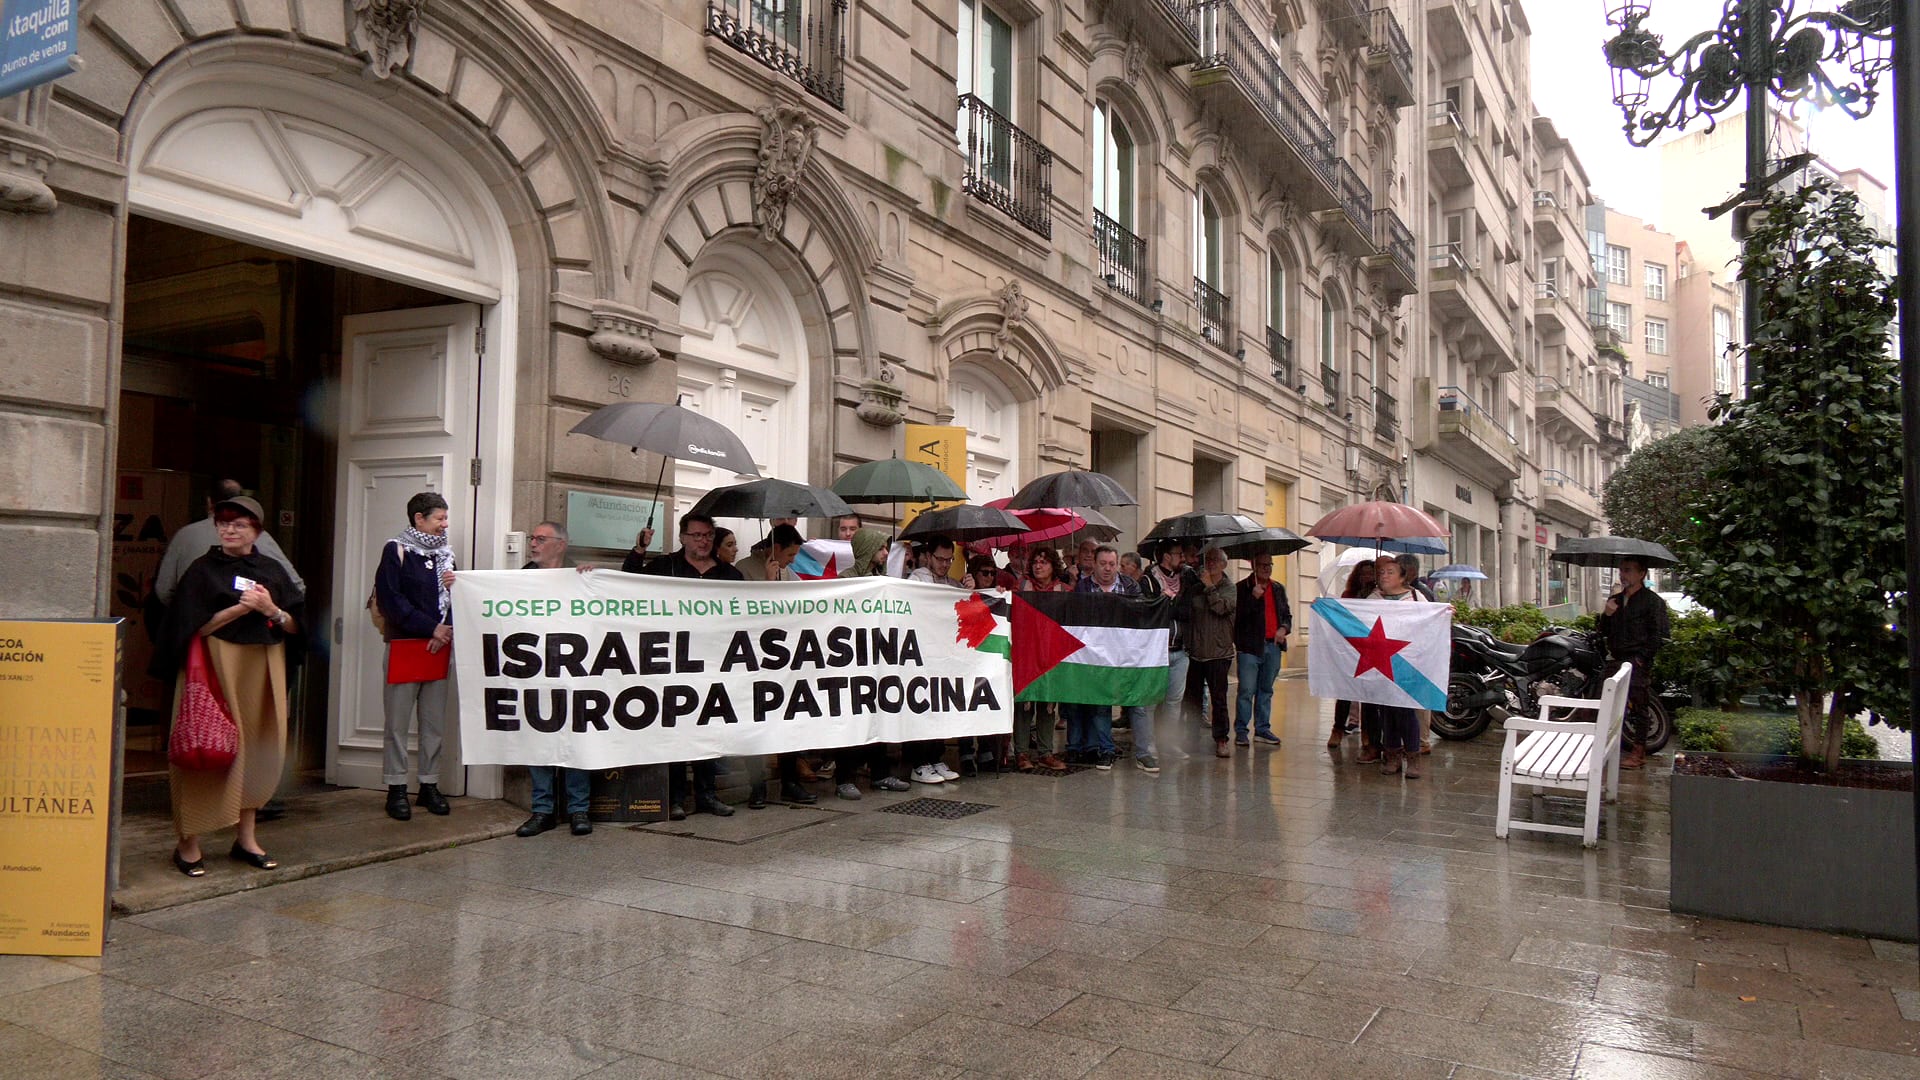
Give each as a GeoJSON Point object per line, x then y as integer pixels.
{"type": "Point", "coordinates": [414, 588]}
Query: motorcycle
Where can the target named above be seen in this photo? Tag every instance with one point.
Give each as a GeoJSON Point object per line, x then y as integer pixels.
{"type": "Point", "coordinates": [1490, 674]}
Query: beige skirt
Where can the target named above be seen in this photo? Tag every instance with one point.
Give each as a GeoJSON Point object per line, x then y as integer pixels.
{"type": "Point", "coordinates": [253, 679]}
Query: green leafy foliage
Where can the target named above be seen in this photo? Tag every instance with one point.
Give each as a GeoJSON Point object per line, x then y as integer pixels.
{"type": "Point", "coordinates": [1654, 493]}
{"type": "Point", "coordinates": [1799, 546]}
{"type": "Point", "coordinates": [1705, 657]}
{"type": "Point", "coordinates": [1759, 733]}
{"type": "Point", "coordinates": [1516, 623]}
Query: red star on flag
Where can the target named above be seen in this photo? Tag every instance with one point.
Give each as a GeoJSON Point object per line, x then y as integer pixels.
{"type": "Point", "coordinates": [1376, 651]}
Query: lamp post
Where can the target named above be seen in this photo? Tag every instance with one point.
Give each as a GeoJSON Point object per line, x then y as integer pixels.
{"type": "Point", "coordinates": [1763, 49]}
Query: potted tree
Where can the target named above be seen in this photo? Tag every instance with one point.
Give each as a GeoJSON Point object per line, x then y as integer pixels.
{"type": "Point", "coordinates": [1798, 546]}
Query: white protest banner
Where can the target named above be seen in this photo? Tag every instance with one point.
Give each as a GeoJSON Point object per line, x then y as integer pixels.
{"type": "Point", "coordinates": [601, 669]}
{"type": "Point", "coordinates": [1388, 652]}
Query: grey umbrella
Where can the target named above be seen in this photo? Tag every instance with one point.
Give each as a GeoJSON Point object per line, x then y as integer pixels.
{"type": "Point", "coordinates": [1071, 487]}
{"type": "Point", "coordinates": [964, 522]}
{"type": "Point", "coordinates": [1611, 551]}
{"type": "Point", "coordinates": [770, 498]}
{"type": "Point", "coordinates": [1271, 540]}
{"type": "Point", "coordinates": [671, 432]}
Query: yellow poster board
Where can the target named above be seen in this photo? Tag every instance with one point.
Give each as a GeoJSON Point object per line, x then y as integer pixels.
{"type": "Point", "coordinates": [944, 448]}
{"type": "Point", "coordinates": [59, 683]}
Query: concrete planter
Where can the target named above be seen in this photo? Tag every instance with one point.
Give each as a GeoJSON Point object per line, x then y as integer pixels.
{"type": "Point", "coordinates": [1806, 855]}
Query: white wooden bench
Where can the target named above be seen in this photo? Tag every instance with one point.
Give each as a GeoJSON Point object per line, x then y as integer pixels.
{"type": "Point", "coordinates": [1581, 756]}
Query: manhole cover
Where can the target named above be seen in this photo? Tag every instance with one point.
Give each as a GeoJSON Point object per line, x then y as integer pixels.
{"type": "Point", "coordinates": [944, 809]}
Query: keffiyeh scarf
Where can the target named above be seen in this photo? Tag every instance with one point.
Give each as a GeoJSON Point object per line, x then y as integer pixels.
{"type": "Point", "coordinates": [436, 550]}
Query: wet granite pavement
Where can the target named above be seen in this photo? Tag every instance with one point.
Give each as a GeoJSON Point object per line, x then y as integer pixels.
{"type": "Point", "coordinates": [1282, 913]}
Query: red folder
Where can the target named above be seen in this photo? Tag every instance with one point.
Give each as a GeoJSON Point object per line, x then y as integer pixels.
{"type": "Point", "coordinates": [408, 661]}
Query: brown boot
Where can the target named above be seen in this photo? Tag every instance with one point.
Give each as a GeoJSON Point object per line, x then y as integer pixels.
{"type": "Point", "coordinates": [1634, 758]}
{"type": "Point", "coordinates": [1369, 753]}
{"type": "Point", "coordinates": [1389, 763]}
{"type": "Point", "coordinates": [1411, 770]}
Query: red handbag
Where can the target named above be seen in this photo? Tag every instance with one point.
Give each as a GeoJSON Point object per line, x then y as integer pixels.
{"type": "Point", "coordinates": [205, 738]}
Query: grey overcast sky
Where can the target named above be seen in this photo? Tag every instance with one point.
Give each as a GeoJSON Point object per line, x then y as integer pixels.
{"type": "Point", "coordinates": [1572, 85]}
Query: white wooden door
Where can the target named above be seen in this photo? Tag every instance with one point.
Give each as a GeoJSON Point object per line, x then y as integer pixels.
{"type": "Point", "coordinates": [409, 387]}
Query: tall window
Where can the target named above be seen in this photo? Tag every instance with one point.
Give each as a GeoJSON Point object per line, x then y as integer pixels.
{"type": "Point", "coordinates": [1597, 246]}
{"type": "Point", "coordinates": [1276, 292]}
{"type": "Point", "coordinates": [1206, 239]}
{"type": "Point", "coordinates": [1617, 260]}
{"type": "Point", "coordinates": [1550, 277]}
{"type": "Point", "coordinates": [1113, 167]}
{"type": "Point", "coordinates": [986, 58]}
{"type": "Point", "coordinates": [1656, 278]}
{"type": "Point", "coordinates": [1656, 337]}
{"type": "Point", "coordinates": [1329, 356]}
{"type": "Point", "coordinates": [1722, 351]}
{"type": "Point", "coordinates": [1620, 318]}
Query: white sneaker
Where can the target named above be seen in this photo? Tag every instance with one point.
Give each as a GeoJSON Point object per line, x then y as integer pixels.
{"type": "Point", "coordinates": [925, 774]}
{"type": "Point", "coordinates": [945, 772]}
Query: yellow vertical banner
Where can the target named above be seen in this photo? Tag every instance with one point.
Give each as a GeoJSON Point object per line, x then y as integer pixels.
{"type": "Point", "coordinates": [59, 683]}
{"type": "Point", "coordinates": [944, 448]}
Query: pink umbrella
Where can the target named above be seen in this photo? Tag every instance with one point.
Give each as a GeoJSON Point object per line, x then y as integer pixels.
{"type": "Point", "coordinates": [1391, 526]}
{"type": "Point", "coordinates": [1043, 524]}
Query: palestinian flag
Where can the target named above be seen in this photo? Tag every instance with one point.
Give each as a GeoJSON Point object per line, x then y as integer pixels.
{"type": "Point", "coordinates": [986, 623]}
{"type": "Point", "coordinates": [1090, 648]}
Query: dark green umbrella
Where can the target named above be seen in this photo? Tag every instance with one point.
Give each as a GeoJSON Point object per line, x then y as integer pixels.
{"type": "Point", "coordinates": [896, 481]}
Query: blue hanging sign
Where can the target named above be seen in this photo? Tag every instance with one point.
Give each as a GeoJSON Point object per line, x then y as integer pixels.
{"type": "Point", "coordinates": [39, 42]}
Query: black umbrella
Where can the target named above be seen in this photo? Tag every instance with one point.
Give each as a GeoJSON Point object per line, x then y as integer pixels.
{"type": "Point", "coordinates": [964, 522]}
{"type": "Point", "coordinates": [770, 498]}
{"type": "Point", "coordinates": [1071, 487]}
{"type": "Point", "coordinates": [1271, 540]}
{"type": "Point", "coordinates": [671, 432]}
{"type": "Point", "coordinates": [896, 481]}
{"type": "Point", "coordinates": [1199, 526]}
{"type": "Point", "coordinates": [1611, 551]}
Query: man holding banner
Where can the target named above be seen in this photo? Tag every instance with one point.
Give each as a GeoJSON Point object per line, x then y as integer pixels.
{"type": "Point", "coordinates": [694, 559]}
{"type": "Point", "coordinates": [547, 543]}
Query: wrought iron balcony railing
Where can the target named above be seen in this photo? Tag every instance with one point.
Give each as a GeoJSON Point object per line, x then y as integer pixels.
{"type": "Point", "coordinates": [1454, 399]}
{"type": "Point", "coordinates": [1355, 198]}
{"type": "Point", "coordinates": [1123, 258]}
{"type": "Point", "coordinates": [1392, 237]}
{"type": "Point", "coordinates": [1388, 45]}
{"type": "Point", "coordinates": [1007, 168]}
{"type": "Point", "coordinates": [1214, 307]}
{"type": "Point", "coordinates": [804, 40]}
{"type": "Point", "coordinates": [1280, 350]}
{"type": "Point", "coordinates": [1386, 414]}
{"type": "Point", "coordinates": [1330, 385]}
{"type": "Point", "coordinates": [1226, 41]}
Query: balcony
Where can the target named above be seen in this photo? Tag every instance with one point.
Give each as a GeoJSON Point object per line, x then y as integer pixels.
{"type": "Point", "coordinates": [1390, 58]}
{"type": "Point", "coordinates": [1347, 20]}
{"type": "Point", "coordinates": [1123, 258]}
{"type": "Point", "coordinates": [1238, 76]}
{"type": "Point", "coordinates": [1449, 145]}
{"type": "Point", "coordinates": [1566, 499]}
{"type": "Point", "coordinates": [1280, 351]}
{"type": "Point", "coordinates": [1393, 258]}
{"type": "Point", "coordinates": [1166, 28]}
{"type": "Point", "coordinates": [1547, 309]}
{"type": "Point", "coordinates": [804, 40]}
{"type": "Point", "coordinates": [1330, 386]}
{"type": "Point", "coordinates": [1386, 415]}
{"type": "Point", "coordinates": [1007, 168]}
{"type": "Point", "coordinates": [1469, 437]}
{"type": "Point", "coordinates": [1449, 28]}
{"type": "Point", "coordinates": [1214, 308]}
{"type": "Point", "coordinates": [1558, 406]}
{"type": "Point", "coordinates": [1606, 336]}
{"type": "Point", "coordinates": [1613, 434]}
{"type": "Point", "coordinates": [1466, 310]}
{"type": "Point", "coordinates": [1349, 225]}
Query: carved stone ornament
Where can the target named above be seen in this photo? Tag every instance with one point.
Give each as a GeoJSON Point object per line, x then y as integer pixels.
{"type": "Point", "coordinates": [1013, 312]}
{"type": "Point", "coordinates": [383, 30]}
{"type": "Point", "coordinates": [880, 400]}
{"type": "Point", "coordinates": [25, 161]}
{"type": "Point", "coordinates": [787, 138]}
{"type": "Point", "coordinates": [1135, 60]}
{"type": "Point", "coordinates": [622, 334]}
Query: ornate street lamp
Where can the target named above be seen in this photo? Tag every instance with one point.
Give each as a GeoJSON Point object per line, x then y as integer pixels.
{"type": "Point", "coordinates": [1762, 49]}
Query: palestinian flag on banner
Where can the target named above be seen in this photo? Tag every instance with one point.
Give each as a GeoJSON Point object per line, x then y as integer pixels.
{"type": "Point", "coordinates": [1090, 648]}
{"type": "Point", "coordinates": [986, 623]}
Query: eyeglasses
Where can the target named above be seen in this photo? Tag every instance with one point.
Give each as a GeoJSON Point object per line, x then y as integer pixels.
{"type": "Point", "coordinates": [540, 539]}
{"type": "Point", "coordinates": [698, 535]}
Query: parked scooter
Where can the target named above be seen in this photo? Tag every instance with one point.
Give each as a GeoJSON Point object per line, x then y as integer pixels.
{"type": "Point", "coordinates": [1489, 673]}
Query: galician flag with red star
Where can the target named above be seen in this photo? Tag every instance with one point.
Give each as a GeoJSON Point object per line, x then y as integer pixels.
{"type": "Point", "coordinates": [1388, 652]}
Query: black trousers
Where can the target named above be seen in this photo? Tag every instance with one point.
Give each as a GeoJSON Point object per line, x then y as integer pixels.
{"type": "Point", "coordinates": [705, 780]}
{"type": "Point", "coordinates": [1639, 690]}
{"type": "Point", "coordinates": [848, 759]}
{"type": "Point", "coordinates": [1213, 675]}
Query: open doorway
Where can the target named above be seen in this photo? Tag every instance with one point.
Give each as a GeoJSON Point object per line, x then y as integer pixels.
{"type": "Point", "coordinates": [232, 368]}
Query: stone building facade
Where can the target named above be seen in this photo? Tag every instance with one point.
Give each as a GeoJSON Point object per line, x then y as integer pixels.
{"type": "Point", "coordinates": [344, 250]}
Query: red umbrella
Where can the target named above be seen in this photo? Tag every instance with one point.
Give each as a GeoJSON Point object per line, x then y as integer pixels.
{"type": "Point", "coordinates": [1389, 525]}
{"type": "Point", "coordinates": [1043, 524]}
